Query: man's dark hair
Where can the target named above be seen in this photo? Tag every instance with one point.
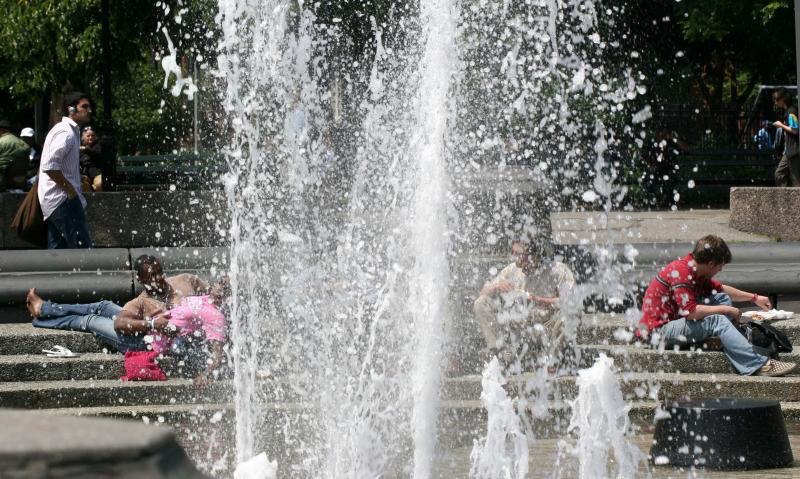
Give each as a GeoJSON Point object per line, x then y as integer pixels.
{"type": "Point", "coordinates": [72, 99]}
{"type": "Point", "coordinates": [145, 264]}
{"type": "Point", "coordinates": [782, 94]}
{"type": "Point", "coordinates": [712, 249]}
{"type": "Point", "coordinates": [538, 247]}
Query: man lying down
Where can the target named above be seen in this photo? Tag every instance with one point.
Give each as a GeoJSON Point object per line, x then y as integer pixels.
{"type": "Point", "coordinates": [178, 315]}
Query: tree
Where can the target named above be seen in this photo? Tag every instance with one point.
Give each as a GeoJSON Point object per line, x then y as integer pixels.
{"type": "Point", "coordinates": [733, 45]}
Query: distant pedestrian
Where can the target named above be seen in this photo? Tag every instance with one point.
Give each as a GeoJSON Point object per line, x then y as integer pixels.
{"type": "Point", "coordinates": [762, 139]}
{"type": "Point", "coordinates": [28, 135]}
{"type": "Point", "coordinates": [788, 171]}
{"type": "Point", "coordinates": [13, 155]}
{"type": "Point", "coordinates": [60, 177]}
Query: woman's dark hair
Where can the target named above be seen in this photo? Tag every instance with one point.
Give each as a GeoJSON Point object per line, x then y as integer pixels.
{"type": "Point", "coordinates": [712, 249]}
{"type": "Point", "coordinates": [146, 264]}
{"type": "Point", "coordinates": [72, 99]}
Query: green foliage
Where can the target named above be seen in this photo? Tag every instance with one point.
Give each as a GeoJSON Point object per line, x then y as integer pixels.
{"type": "Point", "coordinates": [52, 46]}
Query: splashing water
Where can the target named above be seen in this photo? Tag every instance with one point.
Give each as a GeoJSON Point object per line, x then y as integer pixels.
{"type": "Point", "coordinates": [349, 228]}
{"type": "Point", "coordinates": [600, 419]}
{"type": "Point", "coordinates": [503, 452]}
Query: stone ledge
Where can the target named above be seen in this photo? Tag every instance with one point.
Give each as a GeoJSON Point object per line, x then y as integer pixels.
{"type": "Point", "coordinates": [768, 211]}
{"type": "Point", "coordinates": [40, 445]}
{"type": "Point", "coordinates": [135, 219]}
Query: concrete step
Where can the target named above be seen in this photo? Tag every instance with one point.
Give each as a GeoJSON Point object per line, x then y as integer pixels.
{"type": "Point", "coordinates": [637, 358]}
{"type": "Point", "coordinates": [459, 422]}
{"type": "Point", "coordinates": [108, 392]}
{"type": "Point", "coordinates": [600, 329]}
{"type": "Point", "coordinates": [613, 329]}
{"type": "Point", "coordinates": [25, 339]}
{"type": "Point", "coordinates": [641, 386]}
{"type": "Point", "coordinates": [38, 367]}
{"type": "Point", "coordinates": [635, 387]}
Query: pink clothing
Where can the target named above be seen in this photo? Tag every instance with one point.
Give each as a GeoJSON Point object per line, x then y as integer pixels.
{"type": "Point", "coordinates": [194, 315]}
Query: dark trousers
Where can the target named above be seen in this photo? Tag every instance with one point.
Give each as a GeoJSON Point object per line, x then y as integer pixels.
{"type": "Point", "coordinates": [788, 171]}
{"type": "Point", "coordinates": [67, 227]}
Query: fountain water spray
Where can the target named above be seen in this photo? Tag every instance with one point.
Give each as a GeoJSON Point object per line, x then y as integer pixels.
{"type": "Point", "coordinates": [339, 270]}
{"type": "Point", "coordinates": [503, 452]}
{"type": "Point", "coordinates": [462, 129]}
{"type": "Point", "coordinates": [600, 419]}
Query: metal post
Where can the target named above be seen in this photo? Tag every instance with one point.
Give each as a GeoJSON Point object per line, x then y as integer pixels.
{"type": "Point", "coordinates": [107, 141]}
{"type": "Point", "coordinates": [196, 107]}
{"type": "Point", "coordinates": [797, 44]}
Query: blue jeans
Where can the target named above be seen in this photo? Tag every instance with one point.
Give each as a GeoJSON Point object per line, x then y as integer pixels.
{"type": "Point", "coordinates": [67, 227]}
{"type": "Point", "coordinates": [95, 318]}
{"type": "Point", "coordinates": [738, 350]}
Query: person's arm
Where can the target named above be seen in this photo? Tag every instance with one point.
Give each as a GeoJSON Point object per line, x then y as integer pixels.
{"type": "Point", "coordinates": [204, 378]}
{"type": "Point", "coordinates": [703, 310]}
{"type": "Point", "coordinates": [495, 287]}
{"type": "Point", "coordinates": [130, 323]}
{"type": "Point", "coordinates": [544, 300]}
{"type": "Point", "coordinates": [740, 296]}
{"type": "Point", "coordinates": [790, 128]}
{"type": "Point", "coordinates": [58, 178]}
{"type": "Point", "coordinates": [566, 281]}
{"type": "Point", "coordinates": [684, 296]}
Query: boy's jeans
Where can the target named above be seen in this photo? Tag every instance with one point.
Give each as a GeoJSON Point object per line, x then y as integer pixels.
{"type": "Point", "coordinates": [738, 350]}
{"type": "Point", "coordinates": [96, 318]}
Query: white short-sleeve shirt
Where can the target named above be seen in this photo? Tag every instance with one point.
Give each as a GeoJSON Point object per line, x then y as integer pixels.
{"type": "Point", "coordinates": [61, 152]}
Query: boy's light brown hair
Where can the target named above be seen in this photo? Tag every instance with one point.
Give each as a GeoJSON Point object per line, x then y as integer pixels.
{"type": "Point", "coordinates": [712, 249]}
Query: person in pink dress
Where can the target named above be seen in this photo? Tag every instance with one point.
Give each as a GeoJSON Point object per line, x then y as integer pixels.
{"type": "Point", "coordinates": [193, 317]}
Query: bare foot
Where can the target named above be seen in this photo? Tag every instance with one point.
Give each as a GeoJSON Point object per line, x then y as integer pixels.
{"type": "Point", "coordinates": [34, 303]}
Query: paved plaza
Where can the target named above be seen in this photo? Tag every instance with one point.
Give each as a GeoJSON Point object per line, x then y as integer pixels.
{"type": "Point", "coordinates": [646, 227]}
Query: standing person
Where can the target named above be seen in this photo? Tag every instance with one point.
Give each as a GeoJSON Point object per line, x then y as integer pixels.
{"type": "Point", "coordinates": [13, 156]}
{"type": "Point", "coordinates": [762, 139]}
{"type": "Point", "coordinates": [60, 177]}
{"type": "Point", "coordinates": [684, 305]}
{"type": "Point", "coordinates": [788, 171]}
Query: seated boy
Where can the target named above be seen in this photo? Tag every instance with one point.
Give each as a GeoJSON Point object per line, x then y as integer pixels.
{"type": "Point", "coordinates": [685, 305]}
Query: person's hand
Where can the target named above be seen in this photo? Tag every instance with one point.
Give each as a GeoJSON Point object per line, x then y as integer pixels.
{"type": "Point", "coordinates": [71, 193]}
{"type": "Point", "coordinates": [763, 302]}
{"type": "Point", "coordinates": [504, 286]}
{"type": "Point", "coordinates": [202, 381]}
{"type": "Point", "coordinates": [733, 313]}
{"type": "Point", "coordinates": [778, 124]}
{"type": "Point", "coordinates": [161, 322]}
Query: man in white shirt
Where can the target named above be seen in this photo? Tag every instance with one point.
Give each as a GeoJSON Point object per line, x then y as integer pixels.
{"type": "Point", "coordinates": [60, 178]}
{"type": "Point", "coordinates": [521, 304]}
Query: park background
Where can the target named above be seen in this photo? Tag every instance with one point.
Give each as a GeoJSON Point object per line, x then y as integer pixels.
{"type": "Point", "coordinates": [703, 68]}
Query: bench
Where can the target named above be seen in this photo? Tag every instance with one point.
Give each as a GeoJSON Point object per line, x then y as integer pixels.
{"type": "Point", "coordinates": [184, 170]}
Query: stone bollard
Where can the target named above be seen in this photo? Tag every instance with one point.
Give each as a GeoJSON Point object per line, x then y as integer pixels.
{"type": "Point", "coordinates": [40, 445]}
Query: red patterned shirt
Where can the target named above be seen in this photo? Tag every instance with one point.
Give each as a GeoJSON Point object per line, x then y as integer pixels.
{"type": "Point", "coordinates": [673, 293]}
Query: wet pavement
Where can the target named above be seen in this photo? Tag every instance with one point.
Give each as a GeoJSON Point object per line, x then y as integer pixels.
{"type": "Point", "coordinates": [455, 464]}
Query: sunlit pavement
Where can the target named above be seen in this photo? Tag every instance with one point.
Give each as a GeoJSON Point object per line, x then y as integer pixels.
{"type": "Point", "coordinates": [645, 227]}
{"type": "Point", "coordinates": [543, 453]}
